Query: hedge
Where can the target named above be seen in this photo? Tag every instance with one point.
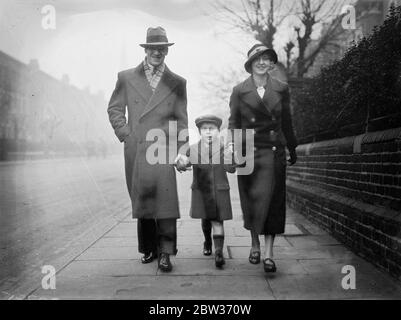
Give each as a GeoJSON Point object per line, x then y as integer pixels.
{"type": "Point", "coordinates": [359, 93]}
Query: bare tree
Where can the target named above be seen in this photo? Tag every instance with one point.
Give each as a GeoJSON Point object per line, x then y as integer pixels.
{"type": "Point", "coordinates": [217, 88]}
{"type": "Point", "coordinates": [288, 52]}
{"type": "Point", "coordinates": [262, 18]}
{"type": "Point", "coordinates": [312, 13]}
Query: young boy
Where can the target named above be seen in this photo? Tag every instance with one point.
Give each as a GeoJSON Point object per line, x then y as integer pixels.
{"type": "Point", "coordinates": [210, 189]}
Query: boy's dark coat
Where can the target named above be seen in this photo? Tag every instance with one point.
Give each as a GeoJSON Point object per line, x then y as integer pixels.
{"type": "Point", "coordinates": [210, 189]}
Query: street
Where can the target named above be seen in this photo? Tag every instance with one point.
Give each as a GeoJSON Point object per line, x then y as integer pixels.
{"type": "Point", "coordinates": [50, 208]}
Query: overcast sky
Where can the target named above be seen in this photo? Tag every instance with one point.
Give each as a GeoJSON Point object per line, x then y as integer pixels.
{"type": "Point", "coordinates": [94, 39]}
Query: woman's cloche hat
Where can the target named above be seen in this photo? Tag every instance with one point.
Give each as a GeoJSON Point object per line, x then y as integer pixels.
{"type": "Point", "coordinates": [256, 51]}
{"type": "Point", "coordinates": [156, 37]}
{"type": "Point", "coordinates": [208, 118]}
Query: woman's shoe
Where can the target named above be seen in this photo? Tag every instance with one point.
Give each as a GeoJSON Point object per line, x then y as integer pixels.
{"type": "Point", "coordinates": [219, 259]}
{"type": "Point", "coordinates": [207, 249]}
{"type": "Point", "coordinates": [269, 265]}
{"type": "Point", "coordinates": [254, 257]}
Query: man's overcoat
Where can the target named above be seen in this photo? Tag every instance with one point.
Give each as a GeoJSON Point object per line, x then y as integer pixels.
{"type": "Point", "coordinates": [150, 174]}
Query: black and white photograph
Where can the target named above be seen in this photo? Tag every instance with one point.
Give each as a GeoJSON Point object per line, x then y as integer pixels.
{"type": "Point", "coordinates": [211, 152]}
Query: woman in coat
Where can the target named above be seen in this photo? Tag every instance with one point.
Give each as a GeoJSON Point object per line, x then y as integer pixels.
{"type": "Point", "coordinates": [261, 104]}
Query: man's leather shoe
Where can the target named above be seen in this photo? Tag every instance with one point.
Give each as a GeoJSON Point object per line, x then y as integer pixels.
{"type": "Point", "coordinates": [219, 259]}
{"type": "Point", "coordinates": [148, 257]}
{"type": "Point", "coordinates": [164, 262]}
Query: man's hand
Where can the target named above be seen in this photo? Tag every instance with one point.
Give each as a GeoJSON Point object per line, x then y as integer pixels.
{"type": "Point", "coordinates": [230, 147]}
{"type": "Point", "coordinates": [293, 157]}
{"type": "Point", "coordinates": [181, 162]}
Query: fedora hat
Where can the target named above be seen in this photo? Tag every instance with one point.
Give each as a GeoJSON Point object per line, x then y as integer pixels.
{"type": "Point", "coordinates": [156, 37]}
{"type": "Point", "coordinates": [256, 51]}
{"type": "Point", "coordinates": [208, 118]}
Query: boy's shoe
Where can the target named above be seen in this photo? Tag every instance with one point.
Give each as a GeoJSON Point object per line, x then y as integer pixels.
{"type": "Point", "coordinates": [219, 259]}
{"type": "Point", "coordinates": [254, 257]}
{"type": "Point", "coordinates": [148, 257]}
{"type": "Point", "coordinates": [207, 249]}
{"type": "Point", "coordinates": [164, 262]}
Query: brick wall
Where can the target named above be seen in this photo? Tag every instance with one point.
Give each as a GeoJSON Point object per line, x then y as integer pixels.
{"type": "Point", "coordinates": [352, 188]}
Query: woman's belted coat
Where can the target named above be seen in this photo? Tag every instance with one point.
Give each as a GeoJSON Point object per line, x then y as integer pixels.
{"type": "Point", "coordinates": [262, 193]}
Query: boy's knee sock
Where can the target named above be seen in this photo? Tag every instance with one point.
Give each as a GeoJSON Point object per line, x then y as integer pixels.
{"type": "Point", "coordinates": [218, 240]}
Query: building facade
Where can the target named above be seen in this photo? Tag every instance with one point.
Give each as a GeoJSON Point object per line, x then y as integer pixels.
{"type": "Point", "coordinates": [369, 13]}
{"type": "Point", "coordinates": [372, 13]}
{"type": "Point", "coordinates": [41, 114]}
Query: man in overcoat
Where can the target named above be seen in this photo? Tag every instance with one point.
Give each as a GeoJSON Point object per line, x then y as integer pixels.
{"type": "Point", "coordinates": [155, 99]}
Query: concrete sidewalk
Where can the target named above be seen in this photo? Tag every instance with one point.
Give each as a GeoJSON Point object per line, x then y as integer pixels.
{"type": "Point", "coordinates": [309, 263]}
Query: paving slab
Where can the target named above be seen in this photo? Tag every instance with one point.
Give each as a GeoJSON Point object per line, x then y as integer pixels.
{"type": "Point", "coordinates": [131, 252]}
{"type": "Point", "coordinates": [159, 287]}
{"type": "Point", "coordinates": [116, 242]}
{"type": "Point", "coordinates": [195, 252]}
{"type": "Point", "coordinates": [110, 253]}
{"type": "Point", "coordinates": [295, 219]}
{"type": "Point", "coordinates": [284, 267]}
{"type": "Point", "coordinates": [230, 231]}
{"type": "Point", "coordinates": [128, 218]}
{"type": "Point", "coordinates": [108, 268]}
{"type": "Point", "coordinates": [327, 252]}
{"type": "Point", "coordinates": [312, 241]}
{"type": "Point", "coordinates": [244, 241]}
{"type": "Point", "coordinates": [234, 267]}
{"type": "Point", "coordinates": [192, 240]}
{"type": "Point", "coordinates": [335, 266]}
{"type": "Point", "coordinates": [197, 267]}
{"type": "Point", "coordinates": [327, 286]}
{"type": "Point", "coordinates": [314, 229]}
{"type": "Point", "coordinates": [290, 229]}
{"type": "Point", "coordinates": [189, 231]}
{"type": "Point", "coordinates": [123, 230]}
{"type": "Point", "coordinates": [195, 239]}
{"type": "Point", "coordinates": [229, 240]}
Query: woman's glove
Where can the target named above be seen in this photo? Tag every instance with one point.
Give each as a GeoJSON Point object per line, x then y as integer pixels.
{"type": "Point", "coordinates": [293, 157]}
{"type": "Point", "coordinates": [280, 79]}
